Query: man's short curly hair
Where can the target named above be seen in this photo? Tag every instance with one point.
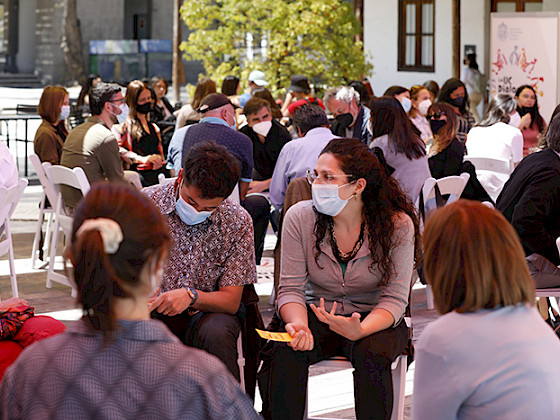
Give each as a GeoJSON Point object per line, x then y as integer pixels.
{"type": "Point", "coordinates": [212, 169]}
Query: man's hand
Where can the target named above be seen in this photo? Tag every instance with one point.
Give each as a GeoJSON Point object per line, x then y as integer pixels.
{"type": "Point", "coordinates": [258, 186]}
{"type": "Point", "coordinates": [348, 327]}
{"type": "Point", "coordinates": [302, 337]}
{"type": "Point", "coordinates": [172, 303]}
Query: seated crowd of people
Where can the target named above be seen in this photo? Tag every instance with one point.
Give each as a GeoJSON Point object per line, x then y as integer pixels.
{"type": "Point", "coordinates": [166, 275]}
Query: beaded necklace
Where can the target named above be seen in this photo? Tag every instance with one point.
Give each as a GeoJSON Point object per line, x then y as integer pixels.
{"type": "Point", "coordinates": [344, 257]}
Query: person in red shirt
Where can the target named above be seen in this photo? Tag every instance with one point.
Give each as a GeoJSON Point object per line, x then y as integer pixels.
{"type": "Point", "coordinates": [299, 93]}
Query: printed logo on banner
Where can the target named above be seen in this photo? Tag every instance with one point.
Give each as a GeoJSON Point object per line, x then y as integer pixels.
{"type": "Point", "coordinates": [513, 67]}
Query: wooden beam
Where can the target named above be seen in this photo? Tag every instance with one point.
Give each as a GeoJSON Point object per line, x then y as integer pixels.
{"type": "Point", "coordinates": [456, 39]}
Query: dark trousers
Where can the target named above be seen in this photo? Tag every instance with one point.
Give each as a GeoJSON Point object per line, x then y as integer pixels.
{"type": "Point", "coordinates": [371, 358]}
{"type": "Point", "coordinates": [215, 333]}
{"type": "Point", "coordinates": [258, 208]}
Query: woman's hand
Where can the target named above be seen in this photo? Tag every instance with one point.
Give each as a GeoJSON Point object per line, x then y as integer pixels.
{"type": "Point", "coordinates": [525, 121]}
{"type": "Point", "coordinates": [348, 327]}
{"type": "Point", "coordinates": [156, 161]}
{"type": "Point", "coordinates": [302, 337]}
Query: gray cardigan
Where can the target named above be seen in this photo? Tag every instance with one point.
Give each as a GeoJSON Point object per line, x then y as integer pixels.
{"type": "Point", "coordinates": [303, 281]}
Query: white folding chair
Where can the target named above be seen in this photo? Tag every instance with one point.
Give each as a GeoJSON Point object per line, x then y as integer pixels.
{"type": "Point", "coordinates": [492, 173]}
{"type": "Point", "coordinates": [163, 180]}
{"type": "Point", "coordinates": [501, 166]}
{"type": "Point", "coordinates": [76, 178]}
{"type": "Point", "coordinates": [9, 197]}
{"type": "Point", "coordinates": [134, 178]}
{"type": "Point", "coordinates": [450, 185]}
{"type": "Point", "coordinates": [48, 194]}
{"type": "Point", "coordinates": [241, 362]}
{"type": "Point", "coordinates": [554, 291]}
{"type": "Point", "coordinates": [398, 372]}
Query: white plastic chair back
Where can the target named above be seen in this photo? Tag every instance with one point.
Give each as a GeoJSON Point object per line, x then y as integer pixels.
{"type": "Point", "coordinates": [234, 196]}
{"type": "Point", "coordinates": [501, 166]}
{"type": "Point", "coordinates": [134, 178]}
{"type": "Point", "coordinates": [163, 180]}
{"type": "Point", "coordinates": [452, 185]}
{"type": "Point", "coordinates": [50, 194]}
{"type": "Point", "coordinates": [61, 175]}
{"type": "Point", "coordinates": [9, 197]}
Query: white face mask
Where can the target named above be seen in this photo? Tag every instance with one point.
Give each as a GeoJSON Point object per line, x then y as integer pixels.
{"type": "Point", "coordinates": [326, 199]}
{"type": "Point", "coordinates": [406, 104]}
{"type": "Point", "coordinates": [121, 118]}
{"type": "Point", "coordinates": [189, 214]}
{"type": "Point", "coordinates": [514, 119]}
{"type": "Point", "coordinates": [423, 107]}
{"type": "Point", "coordinates": [64, 112]}
{"type": "Point", "coordinates": [262, 128]}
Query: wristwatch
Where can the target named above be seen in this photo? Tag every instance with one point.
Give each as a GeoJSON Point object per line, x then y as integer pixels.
{"type": "Point", "coordinates": [193, 294]}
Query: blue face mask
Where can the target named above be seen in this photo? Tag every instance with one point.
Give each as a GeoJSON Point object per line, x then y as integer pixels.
{"type": "Point", "coordinates": [189, 214]}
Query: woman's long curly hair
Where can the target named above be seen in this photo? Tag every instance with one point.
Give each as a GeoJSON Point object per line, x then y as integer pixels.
{"type": "Point", "coordinates": [382, 198]}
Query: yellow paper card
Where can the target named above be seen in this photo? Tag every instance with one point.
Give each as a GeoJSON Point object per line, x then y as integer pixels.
{"type": "Point", "coordinates": [275, 336]}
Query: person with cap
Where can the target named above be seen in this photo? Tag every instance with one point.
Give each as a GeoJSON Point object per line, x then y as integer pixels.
{"type": "Point", "coordinates": [218, 124]}
{"type": "Point", "coordinates": [351, 118]}
{"type": "Point", "coordinates": [256, 79]}
{"type": "Point", "coordinates": [299, 93]}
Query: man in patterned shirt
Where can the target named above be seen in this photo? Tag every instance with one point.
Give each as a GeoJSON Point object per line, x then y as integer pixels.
{"type": "Point", "coordinates": [212, 257]}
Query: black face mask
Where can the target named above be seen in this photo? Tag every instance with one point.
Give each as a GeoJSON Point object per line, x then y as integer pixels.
{"type": "Point", "coordinates": [458, 102]}
{"type": "Point", "coordinates": [144, 108]}
{"type": "Point", "coordinates": [345, 119]}
{"type": "Point", "coordinates": [437, 125]}
{"type": "Point", "coordinates": [524, 110]}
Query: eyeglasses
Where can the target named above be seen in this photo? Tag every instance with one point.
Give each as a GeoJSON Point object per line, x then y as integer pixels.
{"type": "Point", "coordinates": [117, 100]}
{"type": "Point", "coordinates": [435, 115]}
{"type": "Point", "coordinates": [325, 179]}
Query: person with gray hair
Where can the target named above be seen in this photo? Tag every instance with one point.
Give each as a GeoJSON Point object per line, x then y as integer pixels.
{"type": "Point", "coordinates": [301, 154]}
{"type": "Point", "coordinates": [495, 138]}
{"type": "Point", "coordinates": [351, 118]}
{"type": "Point", "coordinates": [530, 200]}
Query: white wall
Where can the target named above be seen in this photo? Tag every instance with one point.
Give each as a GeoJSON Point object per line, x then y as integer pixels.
{"type": "Point", "coordinates": [381, 40]}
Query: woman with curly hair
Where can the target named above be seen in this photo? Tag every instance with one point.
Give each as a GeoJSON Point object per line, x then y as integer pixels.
{"type": "Point", "coordinates": [347, 261]}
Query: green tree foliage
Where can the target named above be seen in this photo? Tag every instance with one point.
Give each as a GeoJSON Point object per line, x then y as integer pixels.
{"type": "Point", "coordinates": [316, 38]}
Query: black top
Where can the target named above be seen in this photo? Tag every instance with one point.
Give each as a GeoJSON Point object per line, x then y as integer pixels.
{"type": "Point", "coordinates": [157, 114]}
{"type": "Point", "coordinates": [530, 200]}
{"type": "Point", "coordinates": [265, 155]}
{"type": "Point", "coordinates": [147, 144]}
{"type": "Point", "coordinates": [449, 162]}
